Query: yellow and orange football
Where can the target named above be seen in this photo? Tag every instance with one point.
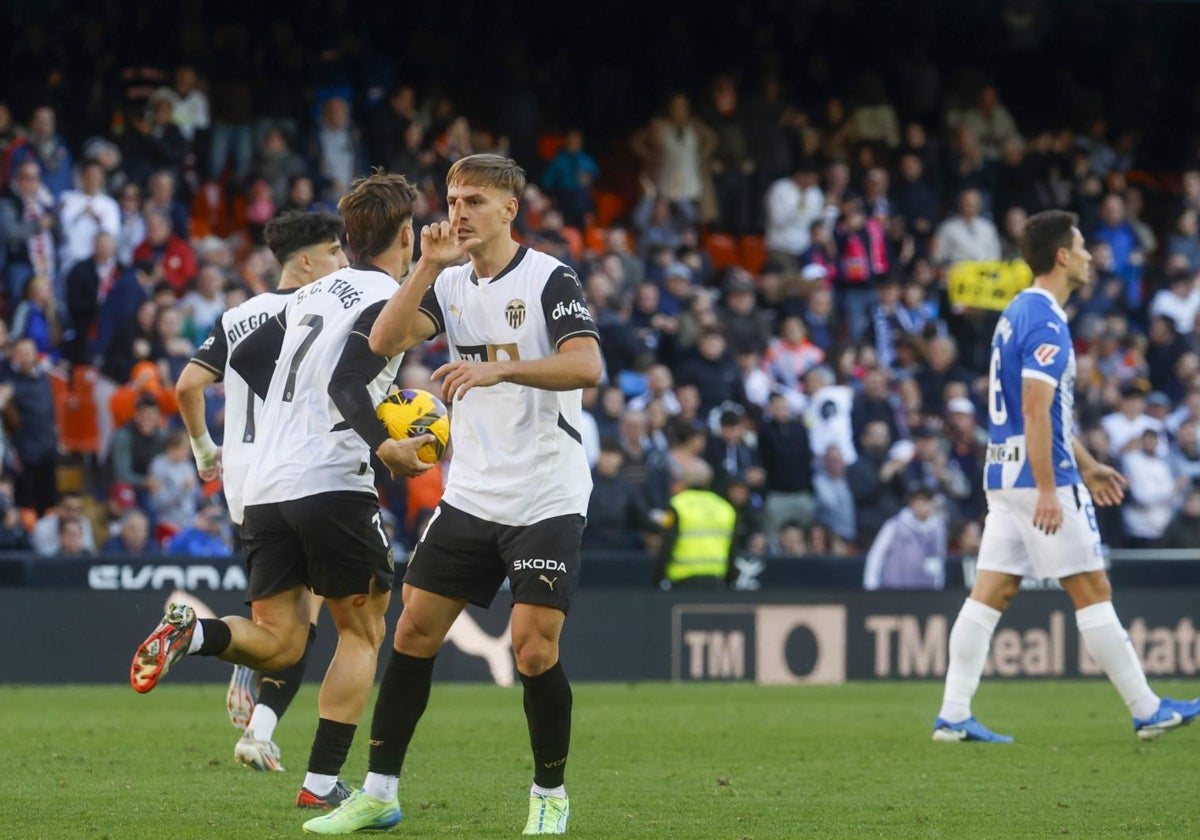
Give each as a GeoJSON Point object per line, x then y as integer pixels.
{"type": "Point", "coordinates": [413, 412]}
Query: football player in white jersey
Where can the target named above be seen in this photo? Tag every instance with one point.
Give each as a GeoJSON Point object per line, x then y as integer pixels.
{"type": "Point", "coordinates": [308, 246]}
{"type": "Point", "coordinates": [522, 347]}
{"type": "Point", "coordinates": [314, 521]}
{"type": "Point", "coordinates": [1040, 484]}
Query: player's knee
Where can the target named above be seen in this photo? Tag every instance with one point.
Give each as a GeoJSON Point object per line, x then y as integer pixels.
{"type": "Point", "coordinates": [535, 655]}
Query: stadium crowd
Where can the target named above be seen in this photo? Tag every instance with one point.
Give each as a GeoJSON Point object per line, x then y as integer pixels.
{"type": "Point", "coordinates": [769, 276]}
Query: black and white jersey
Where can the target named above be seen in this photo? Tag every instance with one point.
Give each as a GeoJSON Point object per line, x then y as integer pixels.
{"type": "Point", "coordinates": [518, 454]}
{"type": "Point", "coordinates": [304, 444]}
{"type": "Point", "coordinates": [242, 407]}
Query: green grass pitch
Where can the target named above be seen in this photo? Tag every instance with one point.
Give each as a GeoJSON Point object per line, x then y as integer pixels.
{"type": "Point", "coordinates": [718, 762]}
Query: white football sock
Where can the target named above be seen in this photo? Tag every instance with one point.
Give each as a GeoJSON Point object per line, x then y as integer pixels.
{"type": "Point", "coordinates": [262, 722]}
{"type": "Point", "coordinates": [969, 641]}
{"type": "Point", "coordinates": [382, 787]}
{"type": "Point", "coordinates": [197, 638]}
{"type": "Point", "coordinates": [1109, 645]}
{"type": "Point", "coordinates": [319, 783]}
{"type": "Point", "coordinates": [559, 792]}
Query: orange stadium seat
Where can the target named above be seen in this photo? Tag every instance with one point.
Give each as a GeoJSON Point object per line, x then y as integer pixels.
{"type": "Point", "coordinates": [595, 239]}
{"type": "Point", "coordinates": [753, 251]}
{"type": "Point", "coordinates": [609, 207]}
{"type": "Point", "coordinates": [549, 144]}
{"type": "Point", "coordinates": [574, 239]}
{"type": "Point", "coordinates": [722, 249]}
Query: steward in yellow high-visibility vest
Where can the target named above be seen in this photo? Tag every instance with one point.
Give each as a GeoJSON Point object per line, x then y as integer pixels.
{"type": "Point", "coordinates": [697, 540]}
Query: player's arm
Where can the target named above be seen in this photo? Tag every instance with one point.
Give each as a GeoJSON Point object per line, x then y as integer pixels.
{"type": "Point", "coordinates": [1105, 483]}
{"type": "Point", "coordinates": [356, 368]}
{"type": "Point", "coordinates": [255, 356]}
{"type": "Point", "coordinates": [577, 364]}
{"type": "Point", "coordinates": [1037, 399]}
{"type": "Point", "coordinates": [205, 367]}
{"type": "Point", "coordinates": [412, 315]}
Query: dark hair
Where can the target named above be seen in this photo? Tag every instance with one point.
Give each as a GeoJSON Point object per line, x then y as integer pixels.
{"type": "Point", "coordinates": [374, 210]}
{"type": "Point", "coordinates": [295, 230]}
{"type": "Point", "coordinates": [1044, 234]}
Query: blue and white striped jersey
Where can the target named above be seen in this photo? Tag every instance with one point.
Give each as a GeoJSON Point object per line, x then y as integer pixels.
{"type": "Point", "coordinates": [1032, 339]}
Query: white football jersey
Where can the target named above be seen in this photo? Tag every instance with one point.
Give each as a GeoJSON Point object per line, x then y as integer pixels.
{"type": "Point", "coordinates": [304, 445]}
{"type": "Point", "coordinates": [242, 407]}
{"type": "Point", "coordinates": [518, 455]}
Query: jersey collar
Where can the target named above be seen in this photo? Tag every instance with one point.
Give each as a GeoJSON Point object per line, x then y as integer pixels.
{"type": "Point", "coordinates": [1058, 310]}
{"type": "Point", "coordinates": [362, 266]}
{"type": "Point", "coordinates": [512, 264]}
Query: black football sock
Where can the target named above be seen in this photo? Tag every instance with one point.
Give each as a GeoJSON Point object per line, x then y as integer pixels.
{"type": "Point", "coordinates": [217, 637]}
{"type": "Point", "coordinates": [548, 712]}
{"type": "Point", "coordinates": [403, 696]}
{"type": "Point", "coordinates": [330, 747]}
{"type": "Point", "coordinates": [278, 688]}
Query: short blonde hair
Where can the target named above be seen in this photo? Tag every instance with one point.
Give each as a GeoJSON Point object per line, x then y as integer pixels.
{"type": "Point", "coordinates": [488, 170]}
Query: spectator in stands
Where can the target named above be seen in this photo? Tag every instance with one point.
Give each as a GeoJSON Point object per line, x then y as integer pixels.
{"type": "Point", "coordinates": [1153, 491]}
{"type": "Point", "coordinates": [38, 318]}
{"type": "Point", "coordinates": [87, 288]}
{"type": "Point", "coordinates": [874, 401]}
{"type": "Point", "coordinates": [967, 442]}
{"type": "Point", "coordinates": [660, 387]}
{"type": "Point", "coordinates": [910, 550]}
{"type": "Point", "coordinates": [1010, 236]}
{"type": "Point", "coordinates": [172, 257]}
{"type": "Point", "coordinates": [674, 148]}
{"type": "Point", "coordinates": [71, 541]}
{"type": "Point", "coordinates": [134, 446]}
{"type": "Point", "coordinates": [747, 326]}
{"type": "Point", "coordinates": [1185, 241]}
{"type": "Point", "coordinates": [207, 536]}
{"type": "Point", "coordinates": [834, 502]}
{"type": "Point", "coordinates": [1178, 300]}
{"type": "Point", "coordinates": [877, 479]}
{"type": "Point", "coordinates": [939, 369]}
{"type": "Point", "coordinates": [132, 536]}
{"type": "Point", "coordinates": [84, 214]}
{"type": "Point", "coordinates": [863, 262]}
{"type": "Point", "coordinates": [915, 201]}
{"type": "Point", "coordinates": [189, 104]}
{"type": "Point", "coordinates": [819, 318]}
{"type": "Point", "coordinates": [163, 197]}
{"type": "Point", "coordinates": [1184, 528]}
{"type": "Point", "coordinates": [13, 536]}
{"type": "Point", "coordinates": [1125, 426]}
{"type": "Point", "coordinates": [569, 179]}
{"type": "Point", "coordinates": [990, 122]}
{"type": "Point", "coordinates": [44, 538]}
{"type": "Point", "coordinates": [170, 347]}
{"type": "Point", "coordinates": [335, 150]}
{"type": "Point", "coordinates": [44, 146]}
{"type": "Point", "coordinates": [967, 235]}
{"type": "Point", "coordinates": [202, 306]}
{"type": "Point", "coordinates": [660, 221]}
{"type": "Point", "coordinates": [277, 164]}
{"type": "Point", "coordinates": [1128, 256]}
{"type": "Point", "coordinates": [889, 321]}
{"type": "Point", "coordinates": [712, 371]}
{"type": "Point", "coordinates": [617, 513]}
{"type": "Point", "coordinates": [732, 454]}
{"type": "Point", "coordinates": [27, 407]}
{"type": "Point", "coordinates": [829, 413]}
{"type": "Point", "coordinates": [932, 469]}
{"type": "Point", "coordinates": [731, 163]}
{"type": "Point", "coordinates": [793, 205]}
{"type": "Point", "coordinates": [788, 463]}
{"type": "Point", "coordinates": [132, 224]}
{"type": "Point", "coordinates": [30, 227]}
{"type": "Point", "coordinates": [791, 355]}
{"type": "Point", "coordinates": [173, 501]}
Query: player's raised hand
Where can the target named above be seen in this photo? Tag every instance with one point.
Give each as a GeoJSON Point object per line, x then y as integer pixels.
{"type": "Point", "coordinates": [461, 376]}
{"type": "Point", "coordinates": [1047, 512]}
{"type": "Point", "coordinates": [400, 456]}
{"type": "Point", "coordinates": [1106, 485]}
{"type": "Point", "coordinates": [442, 243]}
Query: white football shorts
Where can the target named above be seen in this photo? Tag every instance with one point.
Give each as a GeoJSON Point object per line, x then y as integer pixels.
{"type": "Point", "coordinates": [1011, 544]}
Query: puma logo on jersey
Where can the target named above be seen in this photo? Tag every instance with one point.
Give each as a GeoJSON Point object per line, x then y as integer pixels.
{"type": "Point", "coordinates": [537, 564]}
{"type": "Point", "coordinates": [1054, 326]}
{"type": "Point", "coordinates": [1045, 353]}
{"type": "Point", "coordinates": [548, 581]}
